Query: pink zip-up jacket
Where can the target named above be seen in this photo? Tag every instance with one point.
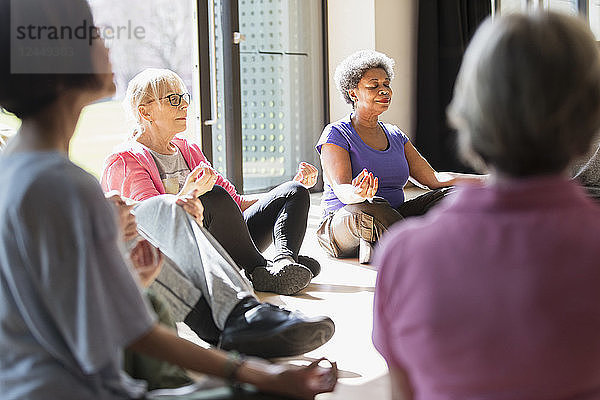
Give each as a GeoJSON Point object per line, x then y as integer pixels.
{"type": "Point", "coordinates": [131, 170]}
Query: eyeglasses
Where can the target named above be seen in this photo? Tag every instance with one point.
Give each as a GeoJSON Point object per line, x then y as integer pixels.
{"type": "Point", "coordinates": [175, 99]}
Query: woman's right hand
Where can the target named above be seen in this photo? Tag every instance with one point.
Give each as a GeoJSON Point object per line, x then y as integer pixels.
{"type": "Point", "coordinates": [365, 184]}
{"type": "Point", "coordinates": [201, 179]}
{"type": "Point", "coordinates": [298, 382]}
{"type": "Point", "coordinates": [192, 205]}
{"type": "Point", "coordinates": [308, 381]}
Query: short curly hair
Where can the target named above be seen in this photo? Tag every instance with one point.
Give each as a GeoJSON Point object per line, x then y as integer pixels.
{"type": "Point", "coordinates": [350, 71]}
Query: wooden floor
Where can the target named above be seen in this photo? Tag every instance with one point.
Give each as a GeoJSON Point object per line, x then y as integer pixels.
{"type": "Point", "coordinates": [343, 291]}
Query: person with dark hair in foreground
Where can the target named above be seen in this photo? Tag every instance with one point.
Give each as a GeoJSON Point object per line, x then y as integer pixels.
{"type": "Point", "coordinates": [70, 304]}
{"type": "Point", "coordinates": [494, 295]}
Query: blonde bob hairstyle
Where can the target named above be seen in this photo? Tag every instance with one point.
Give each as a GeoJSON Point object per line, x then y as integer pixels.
{"type": "Point", "coordinates": [149, 85]}
{"type": "Point", "coordinates": [527, 98]}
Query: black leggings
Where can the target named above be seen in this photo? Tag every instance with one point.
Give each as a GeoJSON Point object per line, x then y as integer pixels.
{"type": "Point", "coordinates": [278, 217]}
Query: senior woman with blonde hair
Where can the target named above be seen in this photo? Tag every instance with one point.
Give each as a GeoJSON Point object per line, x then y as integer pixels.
{"type": "Point", "coordinates": [494, 295]}
{"type": "Point", "coordinates": [154, 161]}
{"type": "Point", "coordinates": [366, 163]}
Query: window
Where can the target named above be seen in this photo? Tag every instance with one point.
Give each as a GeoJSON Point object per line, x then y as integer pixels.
{"type": "Point", "coordinates": [139, 34]}
{"type": "Point", "coordinates": [281, 93]}
{"type": "Point", "coordinates": [590, 9]}
{"type": "Point", "coordinates": [594, 17]}
{"type": "Point", "coordinates": [264, 94]}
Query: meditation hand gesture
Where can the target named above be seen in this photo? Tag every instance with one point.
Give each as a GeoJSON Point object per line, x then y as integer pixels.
{"type": "Point", "coordinates": [307, 175]}
{"type": "Point", "coordinates": [201, 179]}
{"type": "Point", "coordinates": [365, 184]}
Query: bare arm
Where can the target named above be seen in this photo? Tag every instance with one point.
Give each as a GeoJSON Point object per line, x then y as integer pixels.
{"type": "Point", "coordinates": [299, 382]}
{"type": "Point", "coordinates": [338, 172]}
{"type": "Point", "coordinates": [421, 171]}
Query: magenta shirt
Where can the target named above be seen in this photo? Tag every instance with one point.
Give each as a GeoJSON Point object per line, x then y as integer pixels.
{"type": "Point", "coordinates": [495, 294]}
{"type": "Point", "coordinates": [389, 165]}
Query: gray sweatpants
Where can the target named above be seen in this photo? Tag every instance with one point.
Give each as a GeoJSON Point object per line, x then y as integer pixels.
{"type": "Point", "coordinates": [195, 264]}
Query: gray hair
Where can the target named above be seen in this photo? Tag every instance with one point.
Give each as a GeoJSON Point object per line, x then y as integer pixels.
{"type": "Point", "coordinates": [527, 97]}
{"type": "Point", "coordinates": [350, 71]}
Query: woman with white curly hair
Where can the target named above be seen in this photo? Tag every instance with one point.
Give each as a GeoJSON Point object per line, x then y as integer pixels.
{"type": "Point", "coordinates": [366, 163]}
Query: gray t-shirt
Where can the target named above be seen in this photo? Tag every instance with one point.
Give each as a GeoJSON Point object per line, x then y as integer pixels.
{"type": "Point", "coordinates": [68, 302]}
{"type": "Point", "coordinates": [172, 169]}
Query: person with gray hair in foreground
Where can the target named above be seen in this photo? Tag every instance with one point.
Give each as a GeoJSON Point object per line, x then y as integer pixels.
{"type": "Point", "coordinates": [494, 295]}
{"type": "Point", "coordinates": [366, 163]}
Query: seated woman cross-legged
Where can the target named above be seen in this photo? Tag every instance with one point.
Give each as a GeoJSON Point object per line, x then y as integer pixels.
{"type": "Point", "coordinates": [154, 161]}
{"type": "Point", "coordinates": [366, 163]}
{"type": "Point", "coordinates": [204, 288]}
{"type": "Point", "coordinates": [494, 295]}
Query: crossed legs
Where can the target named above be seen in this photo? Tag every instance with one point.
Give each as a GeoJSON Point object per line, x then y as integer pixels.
{"type": "Point", "coordinates": [198, 266]}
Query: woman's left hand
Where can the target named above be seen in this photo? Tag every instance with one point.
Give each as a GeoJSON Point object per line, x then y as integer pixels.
{"type": "Point", "coordinates": [307, 175]}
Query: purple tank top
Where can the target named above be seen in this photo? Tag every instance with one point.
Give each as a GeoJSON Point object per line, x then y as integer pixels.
{"type": "Point", "coordinates": [389, 165]}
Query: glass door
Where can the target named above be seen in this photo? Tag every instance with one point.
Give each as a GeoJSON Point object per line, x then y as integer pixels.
{"type": "Point", "coordinates": [274, 80]}
{"type": "Point", "coordinates": [282, 95]}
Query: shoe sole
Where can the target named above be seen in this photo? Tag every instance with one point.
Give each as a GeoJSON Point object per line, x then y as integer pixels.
{"type": "Point", "coordinates": [290, 340]}
{"type": "Point", "coordinates": [289, 280]}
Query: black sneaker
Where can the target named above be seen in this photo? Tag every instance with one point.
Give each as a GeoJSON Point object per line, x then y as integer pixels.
{"type": "Point", "coordinates": [288, 279]}
{"type": "Point", "coordinates": [268, 331]}
{"type": "Point", "coordinates": [311, 264]}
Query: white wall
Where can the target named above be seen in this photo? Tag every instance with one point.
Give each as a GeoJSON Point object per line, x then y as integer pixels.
{"type": "Point", "coordinates": [350, 26]}
{"type": "Point", "coordinates": [388, 26]}
{"type": "Point", "coordinates": [395, 35]}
